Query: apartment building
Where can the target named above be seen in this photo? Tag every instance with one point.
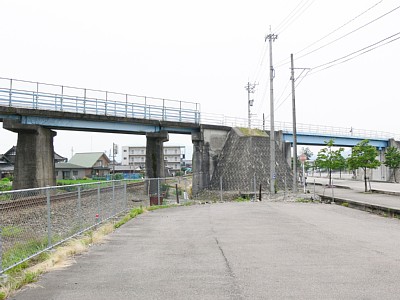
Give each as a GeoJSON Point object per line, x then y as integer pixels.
{"type": "Point", "coordinates": [136, 157]}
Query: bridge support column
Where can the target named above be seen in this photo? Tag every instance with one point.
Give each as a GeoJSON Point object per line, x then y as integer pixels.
{"type": "Point", "coordinates": [34, 162]}
{"type": "Point", "coordinates": [200, 163]}
{"type": "Point", "coordinates": [155, 166]}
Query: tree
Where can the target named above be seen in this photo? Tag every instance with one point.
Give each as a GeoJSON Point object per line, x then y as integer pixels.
{"type": "Point", "coordinates": [363, 156]}
{"type": "Point", "coordinates": [330, 159]}
{"type": "Point", "coordinates": [392, 160]}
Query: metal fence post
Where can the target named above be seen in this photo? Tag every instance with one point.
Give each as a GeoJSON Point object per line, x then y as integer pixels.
{"type": "Point", "coordinates": [177, 193]}
{"type": "Point", "coordinates": [158, 191]}
{"type": "Point", "coordinates": [187, 196]}
{"type": "Point", "coordinates": [220, 186]}
{"type": "Point", "coordinates": [284, 194]}
{"type": "Point", "coordinates": [125, 195]}
{"type": "Point", "coordinates": [99, 216]}
{"type": "Point", "coordinates": [1, 252]}
{"type": "Point", "coordinates": [314, 188]}
{"type": "Point", "coordinates": [255, 188]}
{"type": "Point", "coordinates": [10, 95]}
{"type": "Point", "coordinates": [79, 209]}
{"type": "Point", "coordinates": [113, 197]}
{"type": "Point", "coordinates": [49, 234]}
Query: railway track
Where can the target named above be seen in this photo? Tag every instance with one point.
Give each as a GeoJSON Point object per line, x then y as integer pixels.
{"type": "Point", "coordinates": [41, 197]}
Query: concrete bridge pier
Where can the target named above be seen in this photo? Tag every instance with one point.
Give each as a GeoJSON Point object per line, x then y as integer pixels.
{"type": "Point", "coordinates": [200, 163]}
{"type": "Point", "coordinates": [34, 162]}
{"type": "Point", "coordinates": [155, 166]}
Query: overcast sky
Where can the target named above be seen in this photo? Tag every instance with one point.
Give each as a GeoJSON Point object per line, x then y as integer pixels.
{"type": "Point", "coordinates": [206, 52]}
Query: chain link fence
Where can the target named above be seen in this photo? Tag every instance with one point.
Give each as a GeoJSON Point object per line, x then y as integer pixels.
{"type": "Point", "coordinates": [246, 187]}
{"type": "Point", "coordinates": [33, 221]}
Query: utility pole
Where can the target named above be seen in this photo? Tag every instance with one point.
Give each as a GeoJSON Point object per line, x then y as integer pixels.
{"type": "Point", "coordinates": [271, 37]}
{"type": "Point", "coordinates": [293, 79]}
{"type": "Point", "coordinates": [250, 89]}
{"type": "Point", "coordinates": [294, 128]}
{"type": "Point", "coordinates": [114, 152]}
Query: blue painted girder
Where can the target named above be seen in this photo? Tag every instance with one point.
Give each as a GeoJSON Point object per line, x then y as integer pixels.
{"type": "Point", "coordinates": [101, 126]}
{"type": "Point", "coordinates": [342, 141]}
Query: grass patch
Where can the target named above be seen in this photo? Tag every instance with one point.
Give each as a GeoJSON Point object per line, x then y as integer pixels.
{"type": "Point", "coordinates": [242, 199]}
{"type": "Point", "coordinates": [28, 272]}
{"type": "Point", "coordinates": [132, 214]}
{"type": "Point", "coordinates": [303, 200]}
{"type": "Point", "coordinates": [252, 131]}
{"type": "Point", "coordinates": [345, 204]}
{"type": "Point", "coordinates": [21, 251]}
{"type": "Point", "coordinates": [11, 231]}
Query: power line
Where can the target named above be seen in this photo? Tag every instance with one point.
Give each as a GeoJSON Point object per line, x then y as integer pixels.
{"type": "Point", "coordinates": [286, 61]}
{"type": "Point", "coordinates": [291, 15]}
{"type": "Point", "coordinates": [340, 27]}
{"type": "Point", "coordinates": [295, 17]}
{"type": "Point", "coordinates": [351, 32]}
{"type": "Point", "coordinates": [362, 50]}
{"type": "Point", "coordinates": [302, 78]}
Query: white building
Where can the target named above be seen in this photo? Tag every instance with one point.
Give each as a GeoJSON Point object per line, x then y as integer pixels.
{"type": "Point", "coordinates": [136, 157]}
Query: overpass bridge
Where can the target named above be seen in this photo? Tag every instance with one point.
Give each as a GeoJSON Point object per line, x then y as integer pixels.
{"type": "Point", "coordinates": [34, 110]}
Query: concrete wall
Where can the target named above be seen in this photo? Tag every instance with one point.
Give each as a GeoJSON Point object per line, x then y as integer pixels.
{"type": "Point", "coordinates": [207, 146]}
{"type": "Point", "coordinates": [244, 157]}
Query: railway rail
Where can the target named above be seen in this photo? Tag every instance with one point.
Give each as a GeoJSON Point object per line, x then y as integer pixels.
{"type": "Point", "coordinates": [41, 197]}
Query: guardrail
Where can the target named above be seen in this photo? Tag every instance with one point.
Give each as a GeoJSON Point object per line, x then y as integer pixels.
{"type": "Point", "coordinates": [43, 96]}
{"type": "Point", "coordinates": [287, 127]}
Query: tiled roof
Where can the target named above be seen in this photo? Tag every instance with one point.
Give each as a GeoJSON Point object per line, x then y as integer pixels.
{"type": "Point", "coordinates": [87, 160]}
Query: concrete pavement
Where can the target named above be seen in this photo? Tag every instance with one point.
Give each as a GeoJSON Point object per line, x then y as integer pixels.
{"type": "Point", "coordinates": [253, 250]}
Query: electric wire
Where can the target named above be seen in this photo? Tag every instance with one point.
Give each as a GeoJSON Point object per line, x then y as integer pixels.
{"type": "Point", "coordinates": [294, 19]}
{"type": "Point", "coordinates": [288, 16]}
{"type": "Point", "coordinates": [351, 32]}
{"type": "Point", "coordinates": [286, 61]}
{"type": "Point", "coordinates": [302, 78]}
{"type": "Point", "coordinates": [365, 50]}
{"type": "Point", "coordinates": [284, 90]}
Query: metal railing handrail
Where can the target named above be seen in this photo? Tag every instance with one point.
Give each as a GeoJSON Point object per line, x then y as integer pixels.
{"type": "Point", "coordinates": [95, 90]}
{"type": "Point", "coordinates": [158, 111]}
{"type": "Point", "coordinates": [287, 127]}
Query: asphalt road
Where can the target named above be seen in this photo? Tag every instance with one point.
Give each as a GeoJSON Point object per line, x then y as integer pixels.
{"type": "Point", "coordinates": [263, 250]}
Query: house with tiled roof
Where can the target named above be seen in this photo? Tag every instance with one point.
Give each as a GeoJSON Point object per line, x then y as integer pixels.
{"type": "Point", "coordinates": [7, 161]}
{"type": "Point", "coordinates": [89, 164]}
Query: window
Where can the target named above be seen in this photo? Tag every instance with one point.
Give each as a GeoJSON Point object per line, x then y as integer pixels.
{"type": "Point", "coordinates": [142, 151]}
{"type": "Point", "coordinates": [142, 158]}
{"type": "Point", "coordinates": [75, 173]}
{"type": "Point", "coordinates": [176, 151]}
{"type": "Point", "coordinates": [124, 150]}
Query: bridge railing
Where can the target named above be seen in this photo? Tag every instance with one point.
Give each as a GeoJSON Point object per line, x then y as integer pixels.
{"type": "Point", "coordinates": [287, 127]}
{"type": "Point", "coordinates": [43, 96]}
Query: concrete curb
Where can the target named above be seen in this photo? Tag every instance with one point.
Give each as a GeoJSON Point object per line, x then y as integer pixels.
{"type": "Point", "coordinates": [368, 207]}
{"type": "Point", "coordinates": [392, 193]}
{"type": "Point", "coordinates": [335, 185]}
